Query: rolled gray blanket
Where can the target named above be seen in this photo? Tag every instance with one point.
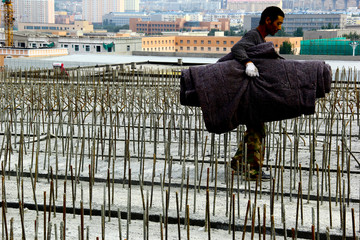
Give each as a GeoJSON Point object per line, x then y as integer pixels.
{"type": "Point", "coordinates": [228, 97]}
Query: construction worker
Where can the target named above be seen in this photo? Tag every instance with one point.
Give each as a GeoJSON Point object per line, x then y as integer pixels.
{"type": "Point", "coordinates": [270, 23]}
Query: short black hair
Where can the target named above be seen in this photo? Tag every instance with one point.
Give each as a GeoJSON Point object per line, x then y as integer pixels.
{"type": "Point", "coordinates": [271, 12]}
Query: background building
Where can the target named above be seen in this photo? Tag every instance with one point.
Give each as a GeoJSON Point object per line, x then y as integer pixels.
{"type": "Point", "coordinates": [132, 5]}
{"type": "Point", "coordinates": [64, 18]}
{"type": "Point", "coordinates": [305, 21]}
{"type": "Point", "coordinates": [93, 11]}
{"type": "Point", "coordinates": [34, 11]}
{"type": "Point", "coordinates": [121, 19]}
{"type": "Point", "coordinates": [252, 5]}
{"type": "Point", "coordinates": [206, 44]}
{"type": "Point", "coordinates": [329, 33]}
{"type": "Point", "coordinates": [157, 27]}
{"type": "Point", "coordinates": [78, 28]}
{"type": "Point", "coordinates": [75, 44]}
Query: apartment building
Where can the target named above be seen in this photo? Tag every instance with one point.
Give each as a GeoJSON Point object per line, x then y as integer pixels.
{"type": "Point", "coordinates": [34, 11]}
{"type": "Point", "coordinates": [132, 5]}
{"type": "Point", "coordinates": [206, 44]}
{"type": "Point", "coordinates": [93, 11]}
{"type": "Point", "coordinates": [157, 27]}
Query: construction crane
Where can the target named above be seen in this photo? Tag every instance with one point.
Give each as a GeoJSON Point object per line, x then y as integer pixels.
{"type": "Point", "coordinates": [8, 22]}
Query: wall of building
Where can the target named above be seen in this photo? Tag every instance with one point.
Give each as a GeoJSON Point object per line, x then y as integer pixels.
{"type": "Point", "coordinates": [33, 52]}
{"type": "Point", "coordinates": [205, 44]}
{"type": "Point", "coordinates": [163, 44]}
{"type": "Point", "coordinates": [157, 27]}
{"type": "Point", "coordinates": [78, 26]}
{"type": "Point", "coordinates": [329, 33]}
{"type": "Point", "coordinates": [90, 45]}
{"type": "Point", "coordinates": [294, 41]}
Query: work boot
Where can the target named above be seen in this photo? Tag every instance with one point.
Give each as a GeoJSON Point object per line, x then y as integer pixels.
{"type": "Point", "coordinates": [263, 177]}
{"type": "Point", "coordinates": [234, 165]}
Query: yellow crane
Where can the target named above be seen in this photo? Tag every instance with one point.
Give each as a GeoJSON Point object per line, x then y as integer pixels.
{"type": "Point", "coordinates": [8, 22]}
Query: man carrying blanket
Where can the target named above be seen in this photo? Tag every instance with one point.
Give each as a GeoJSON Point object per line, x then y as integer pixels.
{"type": "Point", "coordinates": [270, 23]}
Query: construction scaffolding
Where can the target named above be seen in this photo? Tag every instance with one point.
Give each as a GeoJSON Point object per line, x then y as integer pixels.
{"type": "Point", "coordinates": [331, 46]}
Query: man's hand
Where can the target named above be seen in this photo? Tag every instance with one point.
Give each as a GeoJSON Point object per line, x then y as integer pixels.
{"type": "Point", "coordinates": [251, 70]}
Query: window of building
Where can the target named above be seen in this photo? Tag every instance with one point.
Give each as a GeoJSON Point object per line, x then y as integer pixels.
{"type": "Point", "coordinates": [181, 41]}
{"type": "Point", "coordinates": [188, 41]}
{"type": "Point", "coordinates": [98, 48]}
{"type": "Point", "coordinates": [218, 42]}
{"type": "Point", "coordinates": [224, 42]}
{"type": "Point", "coordinates": [195, 41]}
{"type": "Point", "coordinates": [77, 48]}
{"type": "Point", "coordinates": [232, 42]}
{"type": "Point", "coordinates": [209, 48]}
{"type": "Point", "coordinates": [181, 48]}
{"type": "Point", "coordinates": [66, 46]}
{"type": "Point", "coordinates": [202, 48]}
{"type": "Point", "coordinates": [188, 48]}
{"type": "Point", "coordinates": [87, 48]}
{"type": "Point", "coordinates": [224, 49]}
{"type": "Point", "coordinates": [202, 41]}
{"type": "Point", "coordinates": [217, 49]}
{"type": "Point", "coordinates": [209, 42]}
{"type": "Point", "coordinates": [195, 48]}
{"type": "Point", "coordinates": [128, 48]}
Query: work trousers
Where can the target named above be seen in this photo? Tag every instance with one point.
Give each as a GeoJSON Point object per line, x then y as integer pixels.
{"type": "Point", "coordinates": [254, 137]}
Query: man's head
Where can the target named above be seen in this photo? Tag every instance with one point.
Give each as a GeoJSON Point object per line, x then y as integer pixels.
{"type": "Point", "coordinates": [272, 18]}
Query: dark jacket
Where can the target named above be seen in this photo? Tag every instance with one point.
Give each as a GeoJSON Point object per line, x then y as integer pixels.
{"type": "Point", "coordinates": [228, 97]}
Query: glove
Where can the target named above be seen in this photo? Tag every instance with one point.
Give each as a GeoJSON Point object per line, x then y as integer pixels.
{"type": "Point", "coordinates": [251, 70]}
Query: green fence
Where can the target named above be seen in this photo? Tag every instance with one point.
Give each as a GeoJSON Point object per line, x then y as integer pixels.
{"type": "Point", "coordinates": [331, 46]}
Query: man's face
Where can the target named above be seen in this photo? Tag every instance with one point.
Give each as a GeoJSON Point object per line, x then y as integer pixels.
{"type": "Point", "coordinates": [272, 27]}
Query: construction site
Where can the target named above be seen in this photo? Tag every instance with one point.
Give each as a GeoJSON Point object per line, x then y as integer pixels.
{"type": "Point", "coordinates": [108, 152]}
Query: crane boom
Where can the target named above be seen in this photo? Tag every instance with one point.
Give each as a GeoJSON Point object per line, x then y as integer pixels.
{"type": "Point", "coordinates": [9, 22]}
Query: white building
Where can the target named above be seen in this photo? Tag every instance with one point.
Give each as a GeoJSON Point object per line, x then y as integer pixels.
{"type": "Point", "coordinates": [93, 10]}
{"type": "Point", "coordinates": [34, 11]}
{"type": "Point", "coordinates": [132, 5]}
{"type": "Point", "coordinates": [252, 5]}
